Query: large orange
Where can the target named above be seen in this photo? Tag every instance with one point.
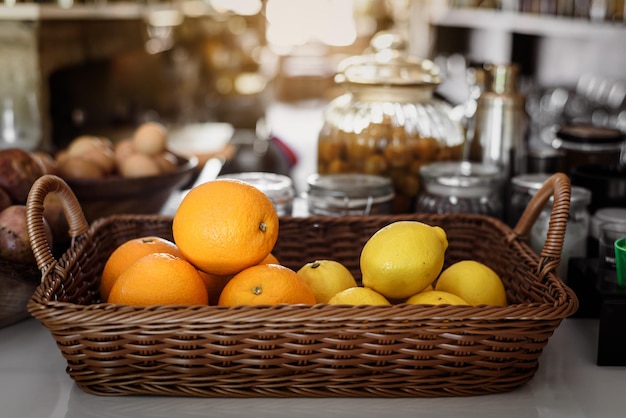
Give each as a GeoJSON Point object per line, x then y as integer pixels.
{"type": "Point", "coordinates": [224, 226]}
{"type": "Point", "coordinates": [159, 279]}
{"type": "Point", "coordinates": [266, 284]}
{"type": "Point", "coordinates": [270, 259]}
{"type": "Point", "coordinates": [214, 285]}
{"type": "Point", "coordinates": [127, 253]}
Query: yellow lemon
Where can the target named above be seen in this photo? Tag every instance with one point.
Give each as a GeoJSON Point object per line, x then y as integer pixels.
{"type": "Point", "coordinates": [326, 278]}
{"type": "Point", "coordinates": [436, 297]}
{"type": "Point", "coordinates": [428, 288]}
{"type": "Point", "coordinates": [404, 300]}
{"type": "Point", "coordinates": [358, 296]}
{"type": "Point", "coordinates": [474, 282]}
{"type": "Point", "coordinates": [402, 258]}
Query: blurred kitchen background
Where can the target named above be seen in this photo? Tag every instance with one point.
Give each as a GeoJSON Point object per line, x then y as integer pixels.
{"type": "Point", "coordinates": [104, 66]}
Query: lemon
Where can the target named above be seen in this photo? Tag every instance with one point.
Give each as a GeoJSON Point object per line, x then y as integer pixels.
{"type": "Point", "coordinates": [436, 297]}
{"type": "Point", "coordinates": [474, 282]}
{"type": "Point", "coordinates": [358, 296]}
{"type": "Point", "coordinates": [402, 258]}
{"type": "Point", "coordinates": [326, 278]}
{"type": "Point", "coordinates": [428, 288]}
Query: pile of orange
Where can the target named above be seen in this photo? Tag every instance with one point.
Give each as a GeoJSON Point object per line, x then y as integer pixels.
{"type": "Point", "coordinates": [224, 232]}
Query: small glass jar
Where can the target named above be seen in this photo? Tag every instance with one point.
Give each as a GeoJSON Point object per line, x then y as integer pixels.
{"type": "Point", "coordinates": [576, 231]}
{"type": "Point", "coordinates": [388, 123]}
{"type": "Point", "coordinates": [349, 195]}
{"type": "Point", "coordinates": [523, 188]}
{"type": "Point", "coordinates": [461, 187]}
{"type": "Point", "coordinates": [278, 187]}
{"type": "Point", "coordinates": [602, 216]}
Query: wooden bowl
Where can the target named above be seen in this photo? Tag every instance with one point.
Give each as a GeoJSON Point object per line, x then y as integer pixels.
{"type": "Point", "coordinates": [142, 195]}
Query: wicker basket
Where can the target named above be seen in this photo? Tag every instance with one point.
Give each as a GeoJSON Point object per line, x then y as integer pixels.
{"type": "Point", "coordinates": [297, 350]}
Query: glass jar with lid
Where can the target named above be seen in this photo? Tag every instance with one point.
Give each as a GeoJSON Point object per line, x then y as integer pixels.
{"type": "Point", "coordinates": [523, 188]}
{"type": "Point", "coordinates": [349, 195]}
{"type": "Point", "coordinates": [461, 187]}
{"type": "Point", "coordinates": [576, 230]}
{"type": "Point", "coordinates": [277, 187]}
{"type": "Point", "coordinates": [582, 145]}
{"type": "Point", "coordinates": [388, 123]}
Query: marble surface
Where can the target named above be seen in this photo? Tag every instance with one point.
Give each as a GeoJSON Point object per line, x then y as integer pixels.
{"type": "Point", "coordinates": [567, 384]}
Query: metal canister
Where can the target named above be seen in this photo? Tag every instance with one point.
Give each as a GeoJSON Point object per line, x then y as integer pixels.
{"type": "Point", "coordinates": [349, 194]}
{"type": "Point", "coordinates": [501, 123]}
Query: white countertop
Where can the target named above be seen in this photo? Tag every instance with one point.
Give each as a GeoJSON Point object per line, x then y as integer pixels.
{"type": "Point", "coordinates": [567, 384]}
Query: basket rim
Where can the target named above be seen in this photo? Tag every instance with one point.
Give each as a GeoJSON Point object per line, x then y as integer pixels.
{"type": "Point", "coordinates": [42, 300]}
{"type": "Point", "coordinates": [298, 313]}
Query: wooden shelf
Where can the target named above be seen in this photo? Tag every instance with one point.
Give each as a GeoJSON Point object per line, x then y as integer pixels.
{"type": "Point", "coordinates": [35, 12]}
{"type": "Point", "coordinates": [107, 11]}
{"type": "Point", "coordinates": [529, 24]}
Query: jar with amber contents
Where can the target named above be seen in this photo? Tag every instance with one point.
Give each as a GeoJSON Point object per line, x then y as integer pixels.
{"type": "Point", "coordinates": [388, 123]}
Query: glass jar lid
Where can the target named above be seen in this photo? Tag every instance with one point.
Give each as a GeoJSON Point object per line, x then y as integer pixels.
{"type": "Point", "coordinates": [388, 64]}
{"type": "Point", "coordinates": [529, 183]}
{"type": "Point", "coordinates": [279, 188]}
{"type": "Point", "coordinates": [579, 197]}
{"type": "Point", "coordinates": [461, 179]}
{"type": "Point", "coordinates": [589, 138]}
{"type": "Point", "coordinates": [606, 215]}
{"type": "Point", "coordinates": [349, 190]}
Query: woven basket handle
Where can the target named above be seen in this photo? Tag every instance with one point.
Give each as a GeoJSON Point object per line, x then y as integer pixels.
{"type": "Point", "coordinates": [34, 216]}
{"type": "Point", "coordinates": [558, 186]}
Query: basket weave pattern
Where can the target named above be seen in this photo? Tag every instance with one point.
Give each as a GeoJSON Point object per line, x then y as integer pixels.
{"type": "Point", "coordinates": [297, 350]}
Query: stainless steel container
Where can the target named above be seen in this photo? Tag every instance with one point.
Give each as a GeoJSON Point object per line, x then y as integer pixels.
{"type": "Point", "coordinates": [501, 123]}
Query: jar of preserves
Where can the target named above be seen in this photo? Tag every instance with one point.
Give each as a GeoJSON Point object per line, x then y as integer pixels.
{"type": "Point", "coordinates": [388, 123]}
{"type": "Point", "coordinates": [461, 187]}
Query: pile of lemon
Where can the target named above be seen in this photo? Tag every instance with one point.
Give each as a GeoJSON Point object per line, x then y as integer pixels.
{"type": "Point", "coordinates": [403, 263]}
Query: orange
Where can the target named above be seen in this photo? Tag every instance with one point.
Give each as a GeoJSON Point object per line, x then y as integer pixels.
{"type": "Point", "coordinates": [224, 226]}
{"type": "Point", "coordinates": [159, 279]}
{"type": "Point", "coordinates": [266, 284]}
{"type": "Point", "coordinates": [270, 259]}
{"type": "Point", "coordinates": [214, 285]}
{"type": "Point", "coordinates": [127, 253]}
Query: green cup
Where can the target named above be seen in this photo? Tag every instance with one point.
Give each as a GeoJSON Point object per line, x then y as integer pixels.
{"type": "Point", "coordinates": [620, 261]}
